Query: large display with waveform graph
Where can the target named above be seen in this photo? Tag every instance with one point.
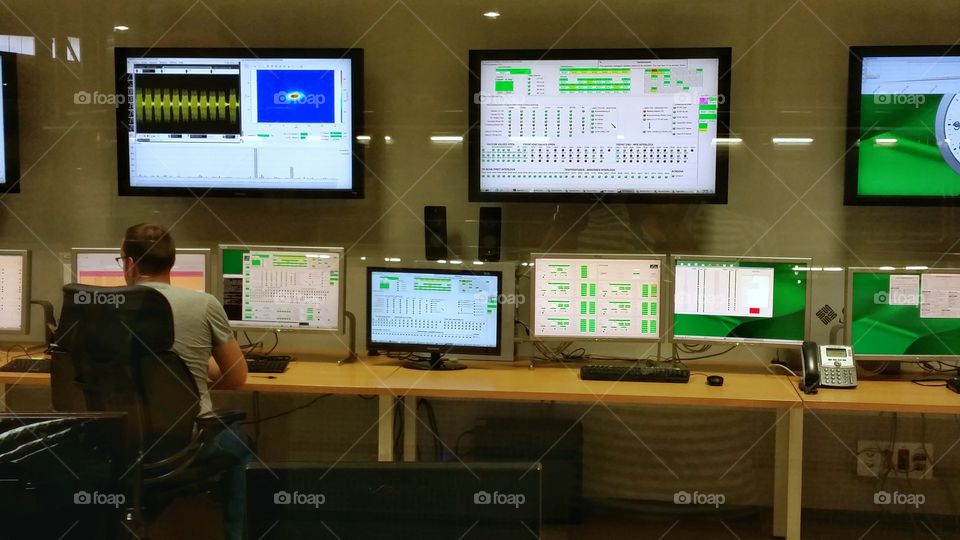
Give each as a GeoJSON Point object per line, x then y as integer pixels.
{"type": "Point", "coordinates": [240, 122]}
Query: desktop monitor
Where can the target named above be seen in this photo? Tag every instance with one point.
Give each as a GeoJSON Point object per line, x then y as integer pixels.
{"type": "Point", "coordinates": [624, 125]}
{"type": "Point", "coordinates": [14, 292]}
{"type": "Point", "coordinates": [282, 287]}
{"type": "Point", "coordinates": [741, 300]}
{"type": "Point", "coordinates": [99, 267]}
{"type": "Point", "coordinates": [907, 314]}
{"type": "Point", "coordinates": [240, 122]}
{"type": "Point", "coordinates": [604, 297]}
{"type": "Point", "coordinates": [9, 142]}
{"type": "Point", "coordinates": [903, 127]}
{"type": "Point", "coordinates": [435, 311]}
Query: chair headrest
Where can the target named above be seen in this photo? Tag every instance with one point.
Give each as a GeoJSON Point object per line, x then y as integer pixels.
{"type": "Point", "coordinates": [105, 316]}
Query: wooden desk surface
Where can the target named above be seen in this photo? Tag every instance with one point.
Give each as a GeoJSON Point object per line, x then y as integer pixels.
{"type": "Point", "coordinates": [886, 396]}
{"type": "Point", "coordinates": [312, 376]}
{"type": "Point", "coordinates": [28, 379]}
{"type": "Point", "coordinates": [516, 381]}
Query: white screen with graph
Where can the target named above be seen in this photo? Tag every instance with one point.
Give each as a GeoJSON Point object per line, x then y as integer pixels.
{"type": "Point", "coordinates": [596, 298]}
{"type": "Point", "coordinates": [599, 126]}
{"type": "Point", "coordinates": [426, 308]}
{"type": "Point", "coordinates": [282, 289]}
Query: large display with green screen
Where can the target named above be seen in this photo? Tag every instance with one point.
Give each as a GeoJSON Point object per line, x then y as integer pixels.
{"type": "Point", "coordinates": [904, 126]}
{"type": "Point", "coordinates": [740, 300]}
{"type": "Point", "coordinates": [888, 321]}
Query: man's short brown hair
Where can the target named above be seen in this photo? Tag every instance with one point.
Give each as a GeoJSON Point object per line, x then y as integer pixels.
{"type": "Point", "coordinates": [151, 248]}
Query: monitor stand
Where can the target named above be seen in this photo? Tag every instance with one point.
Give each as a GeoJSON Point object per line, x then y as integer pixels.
{"type": "Point", "coordinates": [434, 363]}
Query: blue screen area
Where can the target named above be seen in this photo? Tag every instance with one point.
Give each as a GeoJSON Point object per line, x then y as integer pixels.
{"type": "Point", "coordinates": [295, 96]}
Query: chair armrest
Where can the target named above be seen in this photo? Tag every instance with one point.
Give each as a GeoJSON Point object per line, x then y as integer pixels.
{"type": "Point", "coordinates": [218, 420]}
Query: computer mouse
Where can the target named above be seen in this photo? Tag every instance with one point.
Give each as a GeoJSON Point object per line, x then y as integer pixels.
{"type": "Point", "coordinates": [715, 380]}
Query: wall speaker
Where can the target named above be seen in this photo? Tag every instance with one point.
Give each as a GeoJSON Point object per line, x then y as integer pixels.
{"type": "Point", "coordinates": [435, 232]}
{"type": "Point", "coordinates": [489, 244]}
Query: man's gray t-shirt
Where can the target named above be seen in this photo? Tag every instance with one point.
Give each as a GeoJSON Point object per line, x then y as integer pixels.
{"type": "Point", "coordinates": [199, 324]}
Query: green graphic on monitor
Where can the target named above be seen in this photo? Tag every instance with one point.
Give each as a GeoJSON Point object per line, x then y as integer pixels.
{"type": "Point", "coordinates": [905, 125]}
{"type": "Point", "coordinates": [887, 322]}
{"type": "Point", "coordinates": [750, 301]}
{"type": "Point", "coordinates": [899, 150]}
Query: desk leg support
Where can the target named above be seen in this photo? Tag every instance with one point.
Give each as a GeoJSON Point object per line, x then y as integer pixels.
{"type": "Point", "coordinates": [3, 398]}
{"type": "Point", "coordinates": [787, 487]}
{"type": "Point", "coordinates": [385, 427]}
{"type": "Point", "coordinates": [410, 429]}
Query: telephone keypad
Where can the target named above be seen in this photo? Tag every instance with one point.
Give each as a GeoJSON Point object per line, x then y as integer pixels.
{"type": "Point", "coordinates": [838, 376]}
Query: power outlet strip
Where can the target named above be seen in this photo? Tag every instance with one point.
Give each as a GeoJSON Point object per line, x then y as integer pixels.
{"type": "Point", "coordinates": [912, 460]}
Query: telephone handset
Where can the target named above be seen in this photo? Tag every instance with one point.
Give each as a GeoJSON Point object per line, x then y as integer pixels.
{"type": "Point", "coordinates": [830, 366]}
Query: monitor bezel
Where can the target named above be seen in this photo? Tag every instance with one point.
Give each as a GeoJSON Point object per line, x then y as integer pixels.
{"type": "Point", "coordinates": [661, 258]}
{"type": "Point", "coordinates": [341, 308]}
{"type": "Point", "coordinates": [25, 296]}
{"type": "Point", "coordinates": [206, 252]}
{"type": "Point", "coordinates": [848, 313]}
{"type": "Point", "coordinates": [355, 55]}
{"type": "Point", "coordinates": [10, 124]}
{"type": "Point", "coordinates": [851, 195]}
{"type": "Point", "coordinates": [428, 348]}
{"type": "Point", "coordinates": [780, 343]}
{"type": "Point", "coordinates": [477, 56]}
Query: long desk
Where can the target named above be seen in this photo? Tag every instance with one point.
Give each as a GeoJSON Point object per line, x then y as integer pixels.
{"type": "Point", "coordinates": [755, 389]}
{"type": "Point", "coordinates": [744, 387]}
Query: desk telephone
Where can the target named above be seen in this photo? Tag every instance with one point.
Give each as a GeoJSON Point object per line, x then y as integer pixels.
{"type": "Point", "coordinates": [830, 366]}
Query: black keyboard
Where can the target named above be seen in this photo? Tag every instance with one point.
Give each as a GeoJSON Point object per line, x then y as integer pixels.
{"type": "Point", "coordinates": [671, 374]}
{"type": "Point", "coordinates": [268, 364]}
{"type": "Point", "coordinates": [27, 365]}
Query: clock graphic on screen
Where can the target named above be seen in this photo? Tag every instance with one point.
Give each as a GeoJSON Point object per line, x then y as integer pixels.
{"type": "Point", "coordinates": [948, 130]}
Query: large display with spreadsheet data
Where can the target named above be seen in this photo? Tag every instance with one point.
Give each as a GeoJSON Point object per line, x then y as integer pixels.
{"type": "Point", "coordinates": [9, 147]}
{"type": "Point", "coordinates": [628, 125]}
{"type": "Point", "coordinates": [283, 288]}
{"type": "Point", "coordinates": [425, 310]}
{"type": "Point", "coordinates": [239, 122]}
{"type": "Point", "coordinates": [598, 297]}
{"type": "Point", "coordinates": [758, 300]}
{"type": "Point", "coordinates": [14, 292]}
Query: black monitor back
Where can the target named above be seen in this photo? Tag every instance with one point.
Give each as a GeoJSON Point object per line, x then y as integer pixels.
{"type": "Point", "coordinates": [394, 501]}
{"type": "Point", "coordinates": [60, 475]}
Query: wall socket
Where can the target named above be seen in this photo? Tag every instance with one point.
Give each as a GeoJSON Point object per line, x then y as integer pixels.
{"type": "Point", "coordinates": [903, 459]}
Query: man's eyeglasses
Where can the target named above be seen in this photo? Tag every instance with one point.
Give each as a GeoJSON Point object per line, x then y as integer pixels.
{"type": "Point", "coordinates": [120, 261]}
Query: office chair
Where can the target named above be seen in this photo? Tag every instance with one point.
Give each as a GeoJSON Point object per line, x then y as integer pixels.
{"type": "Point", "coordinates": [113, 352]}
{"type": "Point", "coordinates": [51, 464]}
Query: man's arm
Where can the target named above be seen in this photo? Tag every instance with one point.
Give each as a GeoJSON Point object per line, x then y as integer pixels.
{"type": "Point", "coordinates": [228, 368]}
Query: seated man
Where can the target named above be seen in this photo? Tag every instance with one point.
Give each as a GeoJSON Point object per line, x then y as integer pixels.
{"type": "Point", "coordinates": [200, 330]}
